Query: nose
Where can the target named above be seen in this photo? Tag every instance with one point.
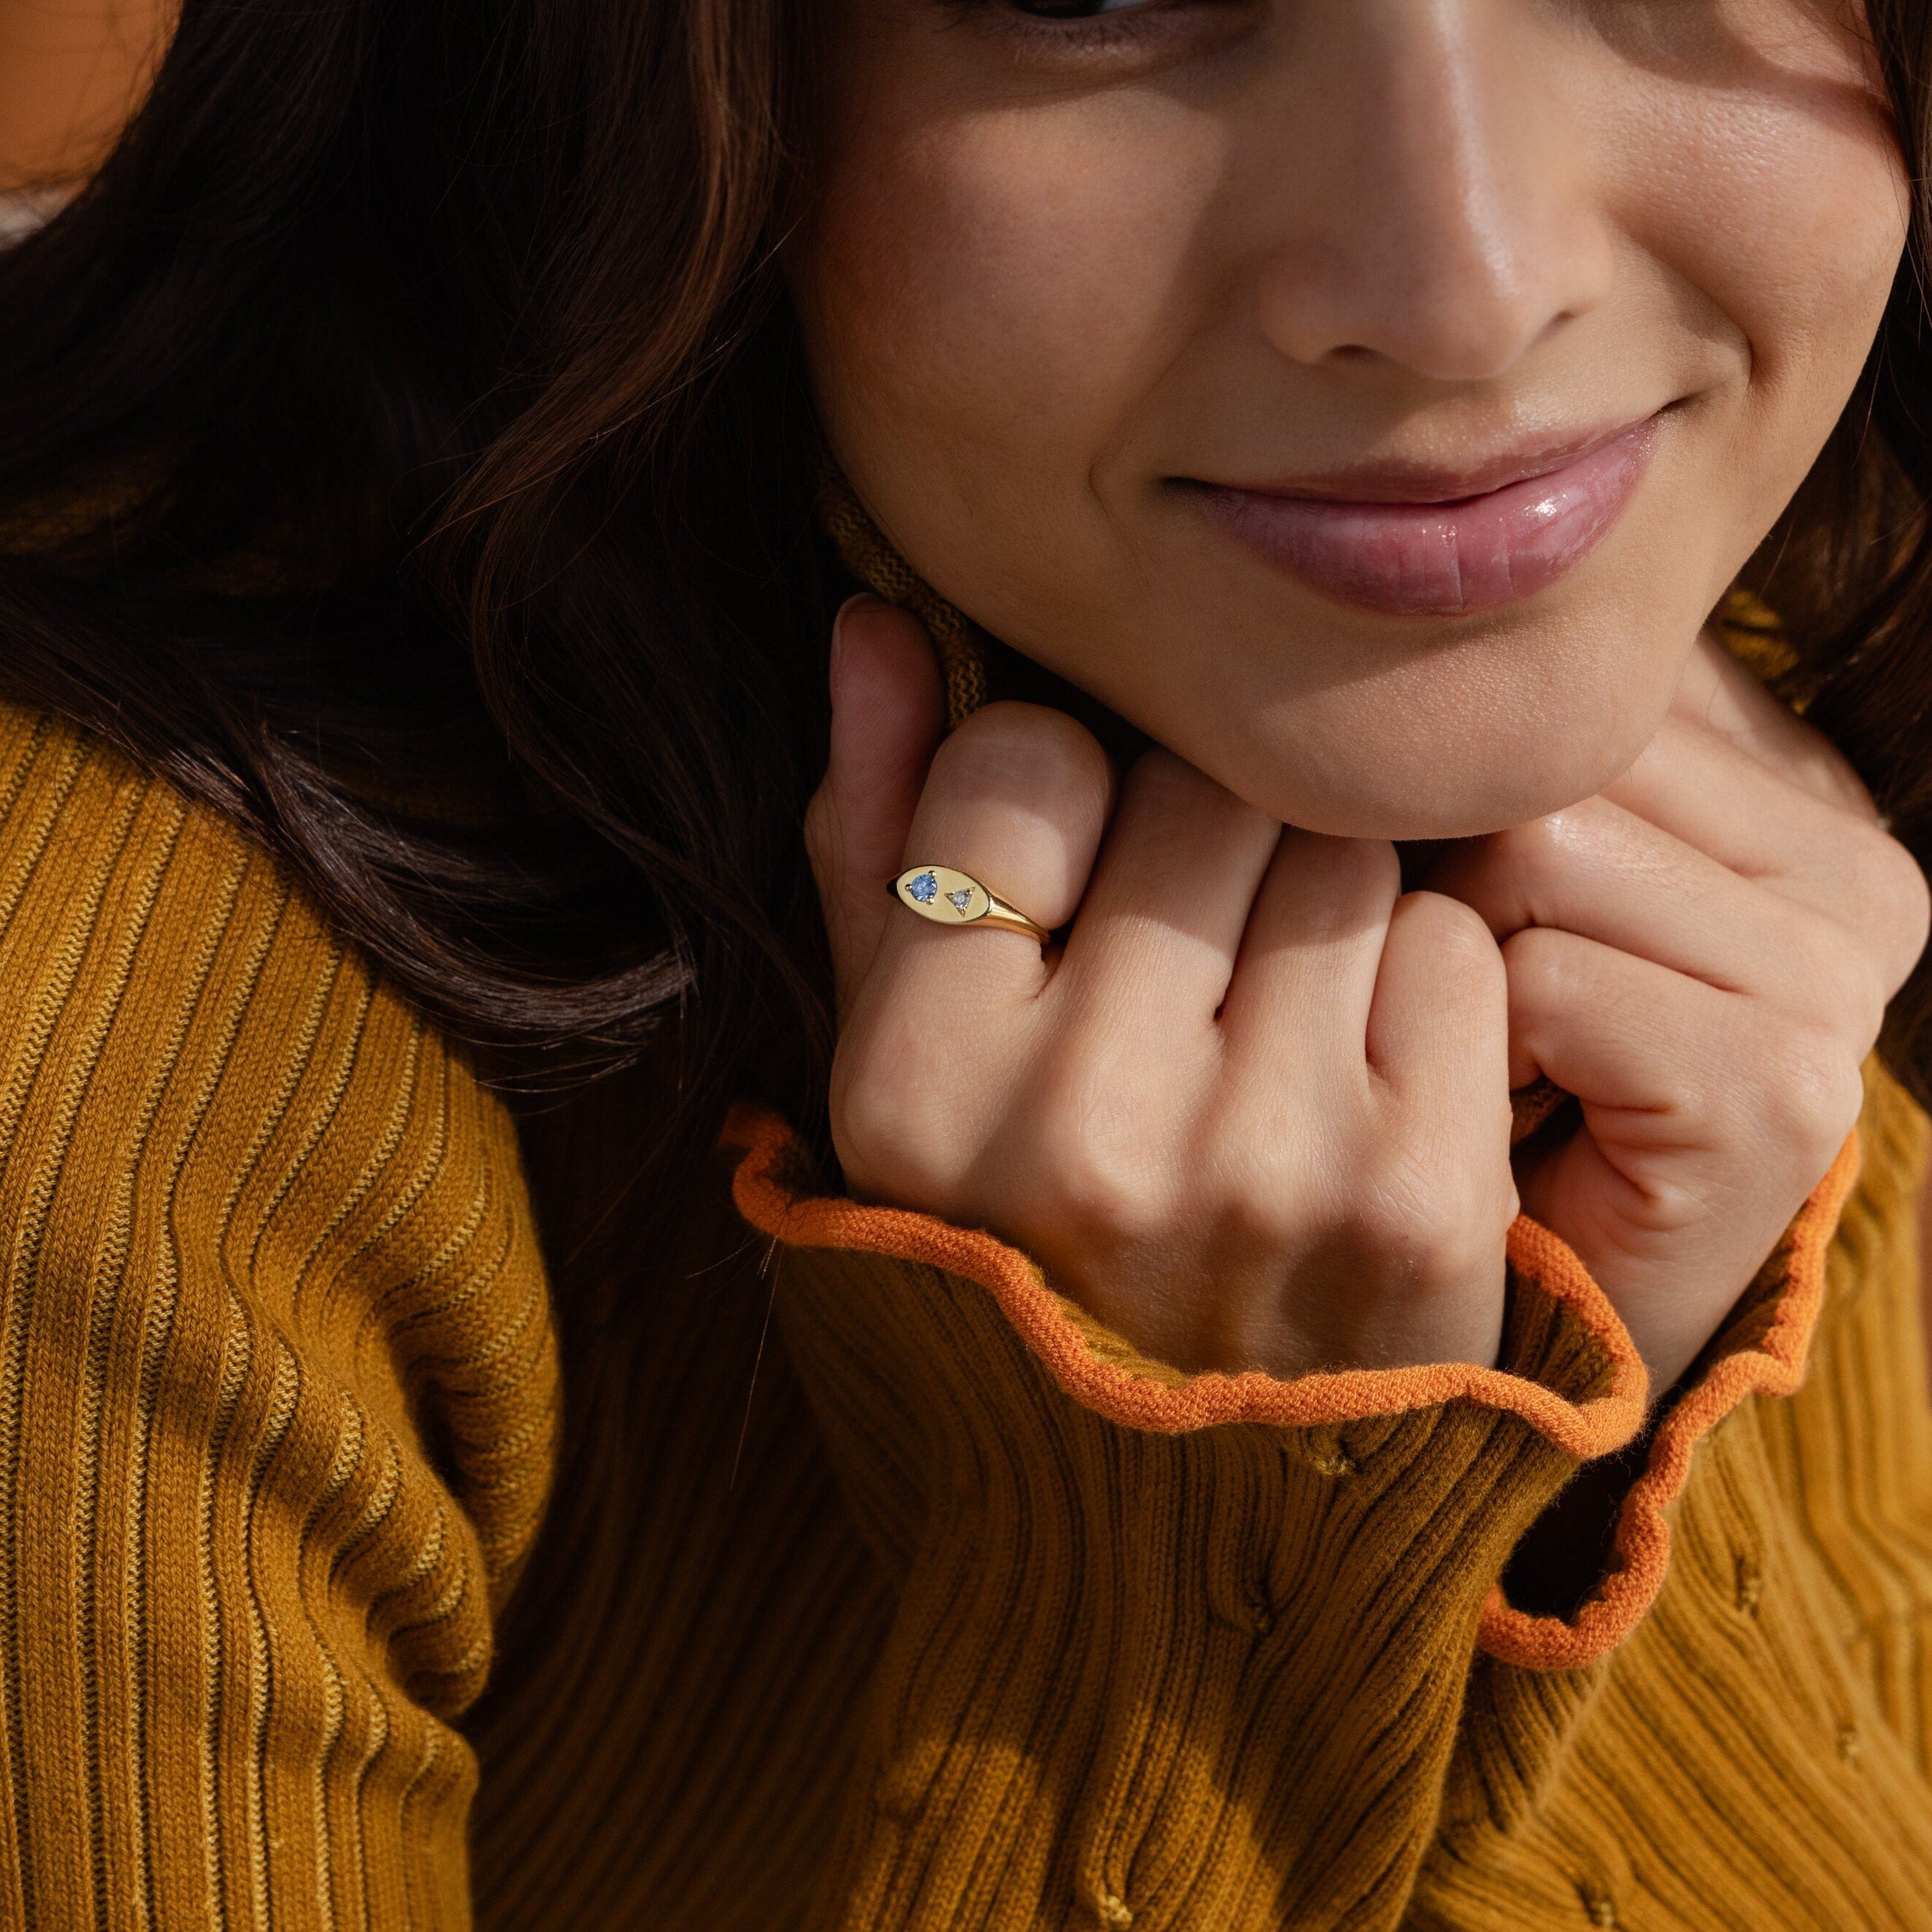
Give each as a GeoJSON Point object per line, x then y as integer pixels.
{"type": "Point", "coordinates": [1442, 217]}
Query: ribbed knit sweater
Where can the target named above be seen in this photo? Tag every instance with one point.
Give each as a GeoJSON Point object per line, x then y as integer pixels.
{"type": "Point", "coordinates": [945, 1610]}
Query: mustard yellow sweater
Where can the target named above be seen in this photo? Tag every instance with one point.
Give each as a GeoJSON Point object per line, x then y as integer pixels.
{"type": "Point", "coordinates": [949, 1612]}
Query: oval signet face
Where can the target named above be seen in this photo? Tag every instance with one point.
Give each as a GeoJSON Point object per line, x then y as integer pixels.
{"type": "Point", "coordinates": [938, 893]}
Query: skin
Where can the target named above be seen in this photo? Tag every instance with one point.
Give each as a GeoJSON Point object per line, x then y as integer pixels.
{"type": "Point", "coordinates": [71, 71]}
{"type": "Point", "coordinates": [1254, 1113]}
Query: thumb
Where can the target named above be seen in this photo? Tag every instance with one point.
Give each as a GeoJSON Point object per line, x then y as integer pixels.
{"type": "Point", "coordinates": [888, 715]}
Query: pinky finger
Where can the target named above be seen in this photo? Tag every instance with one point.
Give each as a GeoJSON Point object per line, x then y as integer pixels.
{"type": "Point", "coordinates": [1438, 1030]}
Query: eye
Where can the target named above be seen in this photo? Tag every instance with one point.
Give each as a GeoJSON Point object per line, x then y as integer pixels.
{"type": "Point", "coordinates": [1053, 33]}
{"type": "Point", "coordinates": [1078, 10]}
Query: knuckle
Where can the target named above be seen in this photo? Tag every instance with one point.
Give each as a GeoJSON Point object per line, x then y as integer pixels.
{"type": "Point", "coordinates": [1458, 937]}
{"type": "Point", "coordinates": [1501, 875]}
{"type": "Point", "coordinates": [1538, 841]}
{"type": "Point", "coordinates": [1008, 748]}
{"type": "Point", "coordinates": [874, 1127]}
{"type": "Point", "coordinates": [1163, 773]}
{"type": "Point", "coordinates": [1099, 1185]}
{"type": "Point", "coordinates": [1821, 964]}
{"type": "Point", "coordinates": [1581, 835]}
{"type": "Point", "coordinates": [1391, 1220]}
{"type": "Point", "coordinates": [1815, 1094]}
{"type": "Point", "coordinates": [1339, 881]}
{"type": "Point", "coordinates": [1164, 783]}
{"type": "Point", "coordinates": [890, 1124]}
{"type": "Point", "coordinates": [1907, 876]}
{"type": "Point", "coordinates": [1879, 892]}
{"type": "Point", "coordinates": [1828, 974]}
{"type": "Point", "coordinates": [1441, 1219]}
{"type": "Point", "coordinates": [1259, 1212]}
{"type": "Point", "coordinates": [1881, 861]}
{"type": "Point", "coordinates": [1168, 811]}
{"type": "Point", "coordinates": [1374, 865]}
{"type": "Point", "coordinates": [1419, 1243]}
{"type": "Point", "coordinates": [1542, 968]}
{"type": "Point", "coordinates": [1890, 881]}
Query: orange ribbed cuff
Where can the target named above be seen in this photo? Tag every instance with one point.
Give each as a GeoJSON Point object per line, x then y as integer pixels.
{"type": "Point", "coordinates": [1641, 1554]}
{"type": "Point", "coordinates": [1171, 1403]}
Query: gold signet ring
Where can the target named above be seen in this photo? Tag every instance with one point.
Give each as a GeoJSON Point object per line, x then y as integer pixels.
{"type": "Point", "coordinates": [949, 898]}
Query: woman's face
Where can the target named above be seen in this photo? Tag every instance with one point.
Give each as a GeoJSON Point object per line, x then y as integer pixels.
{"type": "Point", "coordinates": [1370, 399]}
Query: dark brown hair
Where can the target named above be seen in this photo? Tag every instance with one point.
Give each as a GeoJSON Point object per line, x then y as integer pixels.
{"type": "Point", "coordinates": [404, 447]}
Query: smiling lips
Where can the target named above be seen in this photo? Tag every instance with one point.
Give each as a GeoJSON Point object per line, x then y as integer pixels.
{"type": "Point", "coordinates": [1414, 551]}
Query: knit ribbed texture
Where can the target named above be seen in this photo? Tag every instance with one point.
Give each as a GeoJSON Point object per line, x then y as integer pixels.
{"type": "Point", "coordinates": [1206, 1676]}
{"type": "Point", "coordinates": [1754, 1756]}
{"type": "Point", "coordinates": [1180, 1650]}
{"type": "Point", "coordinates": [1585, 1391]}
{"type": "Point", "coordinates": [866, 553]}
{"type": "Point", "coordinates": [277, 1387]}
{"type": "Point", "coordinates": [936, 1607]}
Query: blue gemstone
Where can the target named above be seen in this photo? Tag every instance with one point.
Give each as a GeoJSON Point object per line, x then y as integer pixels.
{"type": "Point", "coordinates": [925, 889]}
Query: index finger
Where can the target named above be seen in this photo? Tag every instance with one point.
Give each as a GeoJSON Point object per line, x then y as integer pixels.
{"type": "Point", "coordinates": [887, 715]}
{"type": "Point", "coordinates": [1718, 695]}
{"type": "Point", "coordinates": [1705, 790]}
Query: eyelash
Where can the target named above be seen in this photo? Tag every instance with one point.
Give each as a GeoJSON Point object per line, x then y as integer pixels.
{"type": "Point", "coordinates": [1131, 25]}
{"type": "Point", "coordinates": [1099, 12]}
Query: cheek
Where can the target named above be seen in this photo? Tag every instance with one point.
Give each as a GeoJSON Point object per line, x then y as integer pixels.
{"type": "Point", "coordinates": [1784, 210]}
{"type": "Point", "coordinates": [1002, 285]}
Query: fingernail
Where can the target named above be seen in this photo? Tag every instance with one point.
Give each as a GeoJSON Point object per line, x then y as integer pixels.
{"type": "Point", "coordinates": [864, 601]}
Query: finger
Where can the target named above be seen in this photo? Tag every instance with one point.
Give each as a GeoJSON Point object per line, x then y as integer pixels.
{"type": "Point", "coordinates": [1717, 693]}
{"type": "Point", "coordinates": [1161, 919]}
{"type": "Point", "coordinates": [1702, 788]}
{"type": "Point", "coordinates": [1296, 1011]}
{"type": "Point", "coordinates": [1665, 1066]}
{"type": "Point", "coordinates": [887, 715]}
{"type": "Point", "coordinates": [1663, 1063]}
{"type": "Point", "coordinates": [1018, 796]}
{"type": "Point", "coordinates": [1602, 873]}
{"type": "Point", "coordinates": [1438, 1027]}
{"type": "Point", "coordinates": [1624, 1034]}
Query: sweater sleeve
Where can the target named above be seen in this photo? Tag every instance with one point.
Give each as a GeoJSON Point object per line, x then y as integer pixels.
{"type": "Point", "coordinates": [1171, 1650]}
{"type": "Point", "coordinates": [1188, 1651]}
{"type": "Point", "coordinates": [277, 1384]}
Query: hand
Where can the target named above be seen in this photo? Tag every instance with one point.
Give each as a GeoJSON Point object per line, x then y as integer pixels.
{"type": "Point", "coordinates": [1702, 954]}
{"type": "Point", "coordinates": [1254, 1114]}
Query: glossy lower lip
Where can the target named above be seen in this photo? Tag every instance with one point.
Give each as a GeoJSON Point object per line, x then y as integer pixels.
{"type": "Point", "coordinates": [1441, 560]}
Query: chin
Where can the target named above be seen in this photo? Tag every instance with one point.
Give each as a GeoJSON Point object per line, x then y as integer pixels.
{"type": "Point", "coordinates": [1451, 788]}
{"type": "Point", "coordinates": [1359, 727]}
